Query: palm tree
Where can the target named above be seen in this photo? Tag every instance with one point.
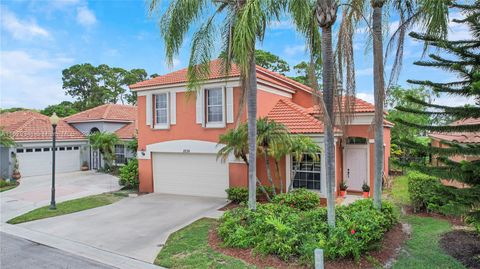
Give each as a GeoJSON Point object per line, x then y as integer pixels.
{"type": "Point", "coordinates": [242, 24]}
{"type": "Point", "coordinates": [105, 143]}
{"type": "Point", "coordinates": [270, 135]}
{"type": "Point", "coordinates": [432, 15]}
{"type": "Point", "coordinates": [235, 143]}
{"type": "Point", "coordinates": [6, 139]}
{"type": "Point", "coordinates": [307, 16]}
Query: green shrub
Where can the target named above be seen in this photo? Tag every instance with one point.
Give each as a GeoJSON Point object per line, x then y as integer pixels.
{"type": "Point", "coordinates": [301, 199]}
{"type": "Point", "coordinates": [237, 194]}
{"type": "Point", "coordinates": [129, 175]}
{"type": "Point", "coordinates": [291, 233]}
{"type": "Point", "coordinates": [428, 193]}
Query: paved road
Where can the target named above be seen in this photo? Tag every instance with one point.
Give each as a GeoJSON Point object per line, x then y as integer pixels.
{"type": "Point", "coordinates": [34, 192]}
{"type": "Point", "coordinates": [18, 253]}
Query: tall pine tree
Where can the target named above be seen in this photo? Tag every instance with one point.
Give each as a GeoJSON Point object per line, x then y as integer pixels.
{"type": "Point", "coordinates": [462, 58]}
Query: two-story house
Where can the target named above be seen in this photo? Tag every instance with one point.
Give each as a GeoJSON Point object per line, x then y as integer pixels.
{"type": "Point", "coordinates": [178, 134]}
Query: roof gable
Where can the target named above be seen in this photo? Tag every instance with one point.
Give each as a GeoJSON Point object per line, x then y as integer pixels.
{"type": "Point", "coordinates": [295, 118]}
{"type": "Point", "coordinates": [32, 126]}
{"type": "Point", "coordinates": [106, 112]}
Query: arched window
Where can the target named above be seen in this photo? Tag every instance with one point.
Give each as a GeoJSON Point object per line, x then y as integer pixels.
{"type": "Point", "coordinates": [94, 130]}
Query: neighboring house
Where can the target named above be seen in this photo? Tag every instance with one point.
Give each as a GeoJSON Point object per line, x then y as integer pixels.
{"type": "Point", "coordinates": [110, 118]}
{"type": "Point", "coordinates": [32, 133]}
{"type": "Point", "coordinates": [178, 134]}
{"type": "Point", "coordinates": [441, 140]}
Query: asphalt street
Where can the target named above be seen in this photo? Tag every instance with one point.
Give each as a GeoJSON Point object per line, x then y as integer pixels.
{"type": "Point", "coordinates": [19, 253]}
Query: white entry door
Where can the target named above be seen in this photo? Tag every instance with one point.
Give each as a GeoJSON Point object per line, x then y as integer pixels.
{"type": "Point", "coordinates": [189, 174]}
{"type": "Point", "coordinates": [355, 169]}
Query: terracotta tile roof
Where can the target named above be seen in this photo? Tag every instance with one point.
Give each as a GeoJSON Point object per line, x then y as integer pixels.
{"type": "Point", "coordinates": [360, 106]}
{"type": "Point", "coordinates": [295, 118]}
{"type": "Point", "coordinates": [31, 125]}
{"type": "Point", "coordinates": [107, 112]}
{"type": "Point", "coordinates": [128, 131]}
{"type": "Point", "coordinates": [217, 72]}
{"type": "Point", "coordinates": [460, 137]}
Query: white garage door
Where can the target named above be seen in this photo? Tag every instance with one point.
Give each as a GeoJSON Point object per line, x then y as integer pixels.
{"type": "Point", "coordinates": [189, 174]}
{"type": "Point", "coordinates": [38, 161]}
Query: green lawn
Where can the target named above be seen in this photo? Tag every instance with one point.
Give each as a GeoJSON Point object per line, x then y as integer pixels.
{"type": "Point", "coordinates": [399, 191]}
{"type": "Point", "coordinates": [422, 249]}
{"type": "Point", "coordinates": [188, 248]}
{"type": "Point", "coordinates": [68, 207]}
{"type": "Point", "coordinates": [5, 186]}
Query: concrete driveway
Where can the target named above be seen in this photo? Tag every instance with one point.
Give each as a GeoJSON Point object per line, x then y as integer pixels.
{"type": "Point", "coordinates": [34, 192]}
{"type": "Point", "coordinates": [136, 227]}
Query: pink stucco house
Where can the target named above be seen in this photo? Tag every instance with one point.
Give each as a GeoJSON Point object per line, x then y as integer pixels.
{"type": "Point", "coordinates": [178, 134]}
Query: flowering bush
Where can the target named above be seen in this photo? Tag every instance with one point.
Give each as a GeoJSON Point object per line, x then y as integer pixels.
{"type": "Point", "coordinates": [291, 233]}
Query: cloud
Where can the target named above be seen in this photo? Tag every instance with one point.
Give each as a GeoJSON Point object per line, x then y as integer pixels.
{"type": "Point", "coordinates": [28, 80]}
{"type": "Point", "coordinates": [85, 16]}
{"type": "Point", "coordinates": [294, 50]}
{"type": "Point", "coordinates": [366, 97]}
{"type": "Point", "coordinates": [21, 29]}
{"type": "Point", "coordinates": [364, 72]}
{"type": "Point", "coordinates": [281, 25]}
{"type": "Point", "coordinates": [176, 63]}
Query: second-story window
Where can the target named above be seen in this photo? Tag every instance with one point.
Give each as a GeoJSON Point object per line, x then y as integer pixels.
{"type": "Point", "coordinates": [214, 100]}
{"type": "Point", "coordinates": [161, 109]}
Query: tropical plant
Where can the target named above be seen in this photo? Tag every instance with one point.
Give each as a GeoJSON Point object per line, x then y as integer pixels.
{"type": "Point", "coordinates": [300, 146]}
{"type": "Point", "coordinates": [105, 143]}
{"type": "Point", "coordinates": [6, 139]}
{"type": "Point", "coordinates": [129, 175]}
{"type": "Point", "coordinates": [343, 185]}
{"type": "Point", "coordinates": [365, 187]}
{"type": "Point", "coordinates": [270, 135]}
{"type": "Point", "coordinates": [243, 22]}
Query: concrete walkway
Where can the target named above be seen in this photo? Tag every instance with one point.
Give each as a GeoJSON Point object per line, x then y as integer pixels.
{"type": "Point", "coordinates": [136, 227]}
{"type": "Point", "coordinates": [34, 192]}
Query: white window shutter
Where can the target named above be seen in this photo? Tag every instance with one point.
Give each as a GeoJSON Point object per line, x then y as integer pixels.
{"type": "Point", "coordinates": [229, 105]}
{"type": "Point", "coordinates": [173, 107]}
{"type": "Point", "coordinates": [199, 105]}
{"type": "Point", "coordinates": [149, 109]}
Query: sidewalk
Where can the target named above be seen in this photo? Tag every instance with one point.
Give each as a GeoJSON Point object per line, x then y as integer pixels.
{"type": "Point", "coordinates": [89, 252]}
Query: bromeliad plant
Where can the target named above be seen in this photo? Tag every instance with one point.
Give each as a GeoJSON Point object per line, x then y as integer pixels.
{"type": "Point", "coordinates": [366, 190]}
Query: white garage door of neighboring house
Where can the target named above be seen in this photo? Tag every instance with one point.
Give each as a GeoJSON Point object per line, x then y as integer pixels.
{"type": "Point", "coordinates": [189, 174]}
{"type": "Point", "coordinates": [38, 161]}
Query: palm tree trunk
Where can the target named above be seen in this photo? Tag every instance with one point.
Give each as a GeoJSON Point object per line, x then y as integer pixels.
{"type": "Point", "coordinates": [252, 132]}
{"type": "Point", "coordinates": [329, 143]}
{"type": "Point", "coordinates": [277, 168]}
{"type": "Point", "coordinates": [269, 172]}
{"type": "Point", "coordinates": [379, 95]}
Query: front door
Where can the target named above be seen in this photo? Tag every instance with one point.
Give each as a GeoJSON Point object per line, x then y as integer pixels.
{"type": "Point", "coordinates": [355, 169]}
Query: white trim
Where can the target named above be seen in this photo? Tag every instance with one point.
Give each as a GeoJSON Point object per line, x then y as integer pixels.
{"type": "Point", "coordinates": [98, 120]}
{"type": "Point", "coordinates": [229, 104]}
{"type": "Point", "coordinates": [182, 87]}
{"type": "Point", "coordinates": [268, 89]}
{"type": "Point", "coordinates": [173, 108]}
{"type": "Point", "coordinates": [199, 114]}
{"type": "Point", "coordinates": [184, 146]}
{"type": "Point", "coordinates": [288, 171]}
{"type": "Point", "coordinates": [279, 87]}
{"type": "Point", "coordinates": [148, 108]}
{"type": "Point", "coordinates": [371, 141]}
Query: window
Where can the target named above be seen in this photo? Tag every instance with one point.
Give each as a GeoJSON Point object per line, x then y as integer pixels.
{"type": "Point", "coordinates": [120, 154]}
{"type": "Point", "coordinates": [46, 149]}
{"type": "Point", "coordinates": [19, 150]}
{"type": "Point", "coordinates": [28, 150]}
{"type": "Point", "coordinates": [61, 148]}
{"type": "Point", "coordinates": [214, 100]}
{"type": "Point", "coordinates": [38, 150]}
{"type": "Point", "coordinates": [75, 148]}
{"type": "Point", "coordinates": [161, 109]}
{"type": "Point", "coordinates": [356, 140]}
{"type": "Point", "coordinates": [307, 173]}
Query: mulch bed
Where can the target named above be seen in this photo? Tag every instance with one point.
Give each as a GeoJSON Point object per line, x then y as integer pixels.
{"type": "Point", "coordinates": [389, 249]}
{"type": "Point", "coordinates": [463, 246]}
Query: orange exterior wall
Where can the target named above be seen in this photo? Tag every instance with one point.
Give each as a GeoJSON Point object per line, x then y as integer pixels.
{"type": "Point", "coordinates": [238, 174]}
{"type": "Point", "coordinates": [262, 173]}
